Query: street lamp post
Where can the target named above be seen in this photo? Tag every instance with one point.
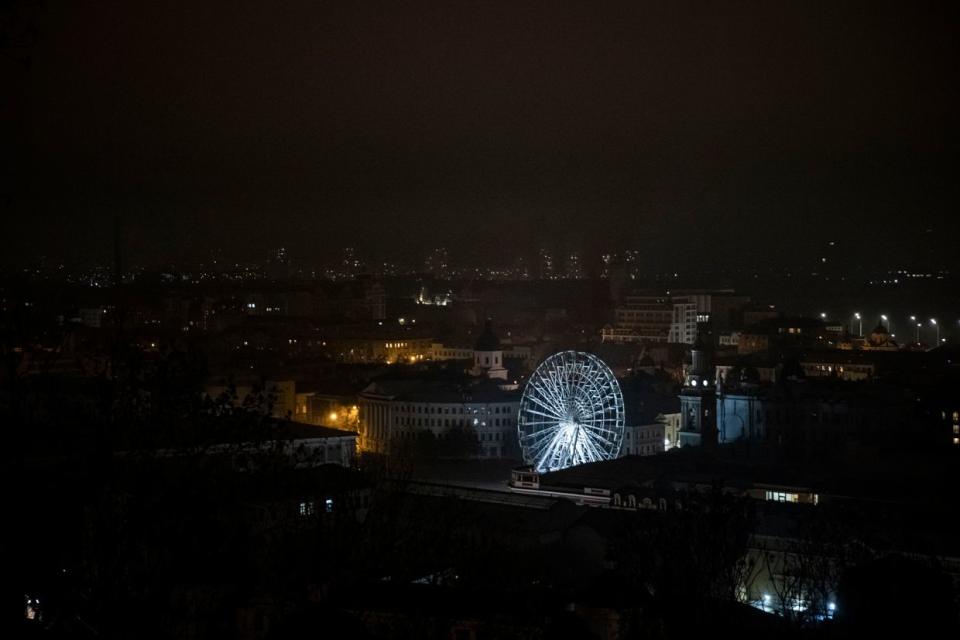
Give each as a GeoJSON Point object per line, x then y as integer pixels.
{"type": "Point", "coordinates": [889, 324]}
{"type": "Point", "coordinates": [918, 333]}
{"type": "Point", "coordinates": [859, 323]}
{"type": "Point", "coordinates": [933, 321]}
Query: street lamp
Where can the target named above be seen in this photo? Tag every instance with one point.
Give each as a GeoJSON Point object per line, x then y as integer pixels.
{"type": "Point", "coordinates": [889, 324]}
{"type": "Point", "coordinates": [918, 333]}
{"type": "Point", "coordinates": [859, 318]}
{"type": "Point", "coordinates": [933, 321]}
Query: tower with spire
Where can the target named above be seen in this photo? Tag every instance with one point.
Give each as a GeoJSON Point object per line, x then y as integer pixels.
{"type": "Point", "coordinates": [698, 400]}
{"type": "Point", "coordinates": [488, 355]}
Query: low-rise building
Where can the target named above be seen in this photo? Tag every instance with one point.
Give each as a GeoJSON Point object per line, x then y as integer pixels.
{"type": "Point", "coordinates": [439, 351]}
{"type": "Point", "coordinates": [644, 440]}
{"type": "Point", "coordinates": [392, 411]}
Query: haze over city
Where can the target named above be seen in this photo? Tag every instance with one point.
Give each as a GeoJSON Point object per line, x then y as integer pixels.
{"type": "Point", "coordinates": [470, 320]}
{"type": "Point", "coordinates": [739, 133]}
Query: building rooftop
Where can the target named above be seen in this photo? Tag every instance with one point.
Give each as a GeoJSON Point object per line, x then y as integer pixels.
{"type": "Point", "coordinates": [290, 430]}
{"type": "Point", "coordinates": [449, 391]}
{"type": "Point", "coordinates": [487, 340]}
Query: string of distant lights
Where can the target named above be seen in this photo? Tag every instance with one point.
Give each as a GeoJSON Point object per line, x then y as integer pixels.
{"type": "Point", "coordinates": [887, 321]}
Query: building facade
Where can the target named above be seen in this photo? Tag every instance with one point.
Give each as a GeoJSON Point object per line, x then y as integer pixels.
{"type": "Point", "coordinates": [394, 411]}
{"type": "Point", "coordinates": [644, 440]}
{"type": "Point", "coordinates": [673, 318]}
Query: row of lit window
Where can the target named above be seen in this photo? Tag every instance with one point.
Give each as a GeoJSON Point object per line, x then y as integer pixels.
{"type": "Point", "coordinates": [956, 425]}
{"type": "Point", "coordinates": [643, 434]}
{"type": "Point", "coordinates": [457, 409]}
{"type": "Point", "coordinates": [309, 507]}
{"type": "Point", "coordinates": [448, 422]}
{"type": "Point", "coordinates": [780, 496]}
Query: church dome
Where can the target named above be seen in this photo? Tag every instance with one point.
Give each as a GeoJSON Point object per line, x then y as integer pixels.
{"type": "Point", "coordinates": [488, 340]}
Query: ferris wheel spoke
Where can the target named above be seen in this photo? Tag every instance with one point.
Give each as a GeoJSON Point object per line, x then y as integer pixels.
{"type": "Point", "coordinates": [543, 414]}
{"type": "Point", "coordinates": [590, 445]}
{"type": "Point", "coordinates": [546, 388]}
{"type": "Point", "coordinates": [604, 434]}
{"type": "Point", "coordinates": [538, 447]}
{"type": "Point", "coordinates": [528, 423]}
{"type": "Point", "coordinates": [552, 388]}
{"type": "Point", "coordinates": [539, 436]}
{"type": "Point", "coordinates": [549, 395]}
{"type": "Point", "coordinates": [558, 453]}
{"type": "Point", "coordinates": [546, 457]}
{"type": "Point", "coordinates": [569, 379]}
{"type": "Point", "coordinates": [538, 454]}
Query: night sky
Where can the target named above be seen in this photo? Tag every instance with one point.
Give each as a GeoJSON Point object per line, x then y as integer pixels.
{"type": "Point", "coordinates": [743, 130]}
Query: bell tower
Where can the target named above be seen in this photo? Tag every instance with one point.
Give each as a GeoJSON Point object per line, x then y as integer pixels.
{"type": "Point", "coordinates": [488, 355]}
{"type": "Point", "coordinates": [698, 400]}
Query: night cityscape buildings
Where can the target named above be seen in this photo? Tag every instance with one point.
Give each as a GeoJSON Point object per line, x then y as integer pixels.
{"type": "Point", "coordinates": [499, 320]}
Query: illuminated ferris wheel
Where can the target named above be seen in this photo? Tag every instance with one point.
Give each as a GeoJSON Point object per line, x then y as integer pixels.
{"type": "Point", "coordinates": [571, 413]}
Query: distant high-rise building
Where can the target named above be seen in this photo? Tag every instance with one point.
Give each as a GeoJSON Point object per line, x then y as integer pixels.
{"type": "Point", "coordinates": [676, 318]}
{"type": "Point", "coordinates": [350, 265]}
{"type": "Point", "coordinates": [605, 262]}
{"type": "Point", "coordinates": [279, 265]}
{"type": "Point", "coordinates": [438, 263]}
{"type": "Point", "coordinates": [547, 267]}
{"type": "Point", "coordinates": [574, 266]}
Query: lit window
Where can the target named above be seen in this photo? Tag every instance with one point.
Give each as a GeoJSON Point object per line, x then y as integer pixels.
{"type": "Point", "coordinates": [779, 496]}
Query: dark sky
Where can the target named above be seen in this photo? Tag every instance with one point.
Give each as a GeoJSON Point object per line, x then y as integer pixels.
{"type": "Point", "coordinates": [723, 130]}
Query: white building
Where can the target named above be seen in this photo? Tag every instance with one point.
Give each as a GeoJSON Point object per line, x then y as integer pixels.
{"type": "Point", "coordinates": [439, 351]}
{"type": "Point", "coordinates": [488, 355]}
{"type": "Point", "coordinates": [683, 326]}
{"type": "Point", "coordinates": [672, 318]}
{"type": "Point", "coordinates": [393, 410]}
{"type": "Point", "coordinates": [643, 440]}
